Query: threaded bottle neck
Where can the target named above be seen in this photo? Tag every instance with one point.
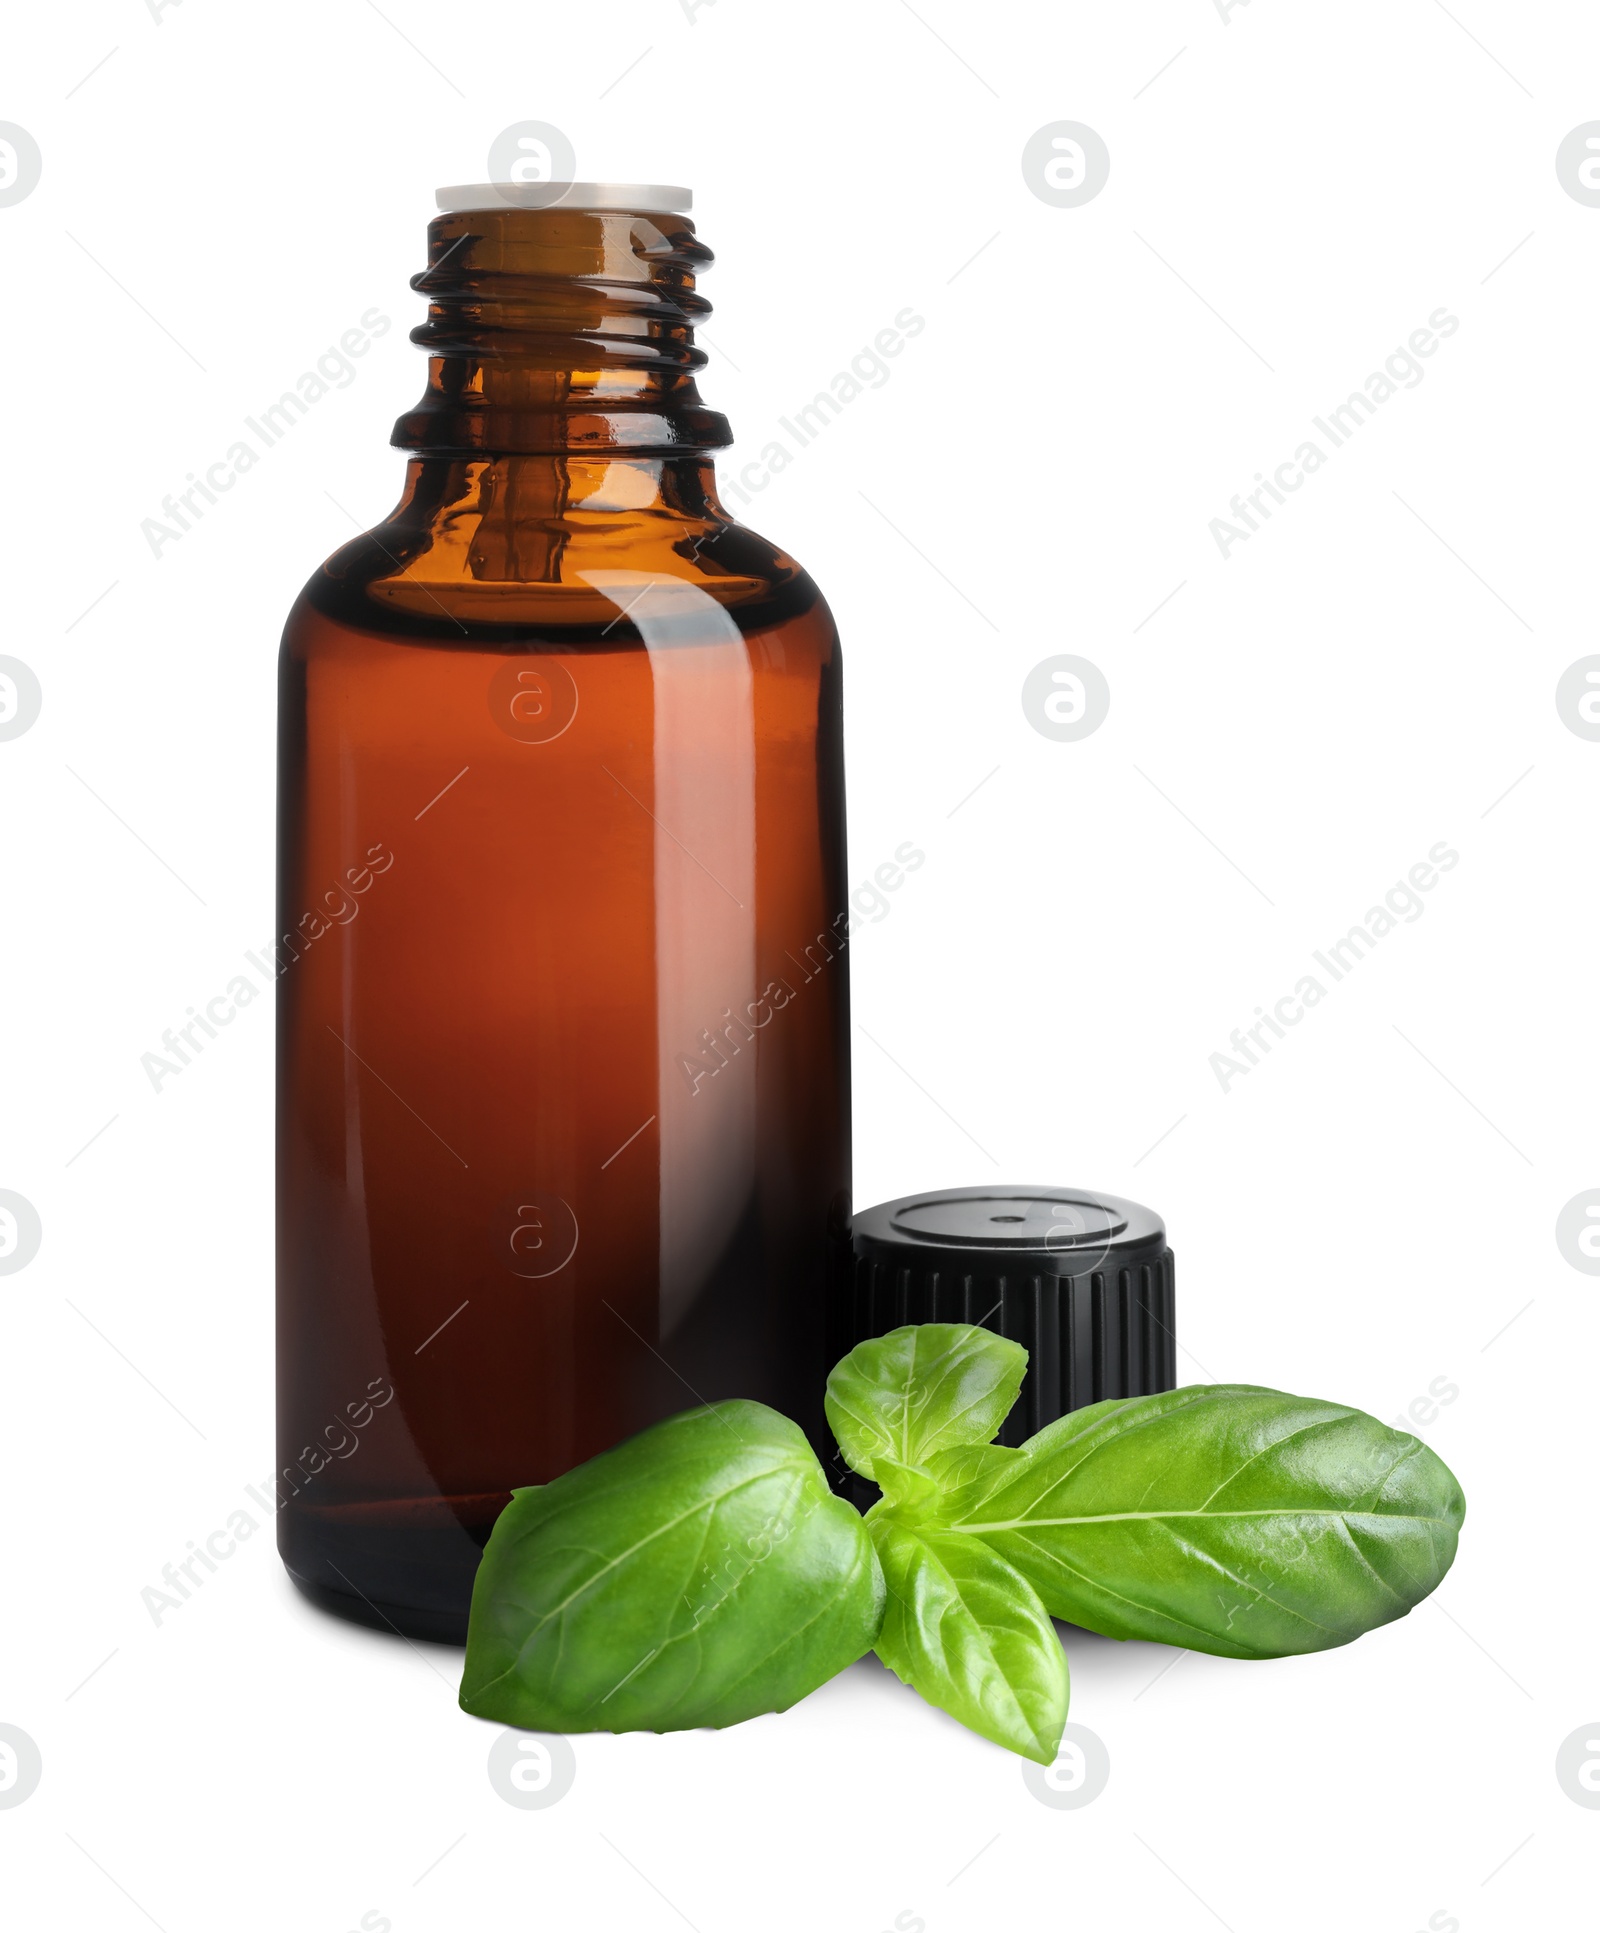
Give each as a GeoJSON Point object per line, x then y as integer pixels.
{"type": "Point", "coordinates": [553, 330]}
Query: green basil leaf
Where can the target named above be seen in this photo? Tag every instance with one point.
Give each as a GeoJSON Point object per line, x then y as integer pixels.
{"type": "Point", "coordinates": [698, 1574]}
{"type": "Point", "coordinates": [907, 1487]}
{"type": "Point", "coordinates": [928, 1387]}
{"type": "Point", "coordinates": [1226, 1519]}
{"type": "Point", "coordinates": [951, 1469]}
{"type": "Point", "coordinates": [966, 1630]}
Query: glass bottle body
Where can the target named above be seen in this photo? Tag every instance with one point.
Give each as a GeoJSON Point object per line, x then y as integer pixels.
{"type": "Point", "coordinates": [563, 1100]}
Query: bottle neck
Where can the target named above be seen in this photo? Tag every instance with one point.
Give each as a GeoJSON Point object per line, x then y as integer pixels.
{"type": "Point", "coordinates": [561, 332]}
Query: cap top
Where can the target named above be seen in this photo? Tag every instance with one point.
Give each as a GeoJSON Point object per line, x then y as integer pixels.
{"type": "Point", "coordinates": [1005, 1218]}
{"type": "Point", "coordinates": [622, 197]}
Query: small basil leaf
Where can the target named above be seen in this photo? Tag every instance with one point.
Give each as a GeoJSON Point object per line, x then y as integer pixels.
{"type": "Point", "coordinates": [698, 1574]}
{"type": "Point", "coordinates": [906, 1486]}
{"type": "Point", "coordinates": [928, 1387]}
{"type": "Point", "coordinates": [1226, 1519]}
{"type": "Point", "coordinates": [966, 1630]}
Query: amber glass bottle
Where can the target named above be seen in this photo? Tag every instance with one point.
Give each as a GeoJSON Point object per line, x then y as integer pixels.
{"type": "Point", "coordinates": [563, 1091]}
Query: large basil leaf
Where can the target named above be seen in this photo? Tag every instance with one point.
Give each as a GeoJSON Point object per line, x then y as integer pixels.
{"type": "Point", "coordinates": [698, 1574]}
{"type": "Point", "coordinates": [929, 1387]}
{"type": "Point", "coordinates": [965, 1629]}
{"type": "Point", "coordinates": [1227, 1519]}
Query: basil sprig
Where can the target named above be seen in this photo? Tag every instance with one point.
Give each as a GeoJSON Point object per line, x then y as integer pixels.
{"type": "Point", "coordinates": [1231, 1519]}
{"type": "Point", "coordinates": [701, 1573]}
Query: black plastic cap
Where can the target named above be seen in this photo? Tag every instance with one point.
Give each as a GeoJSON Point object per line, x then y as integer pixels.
{"type": "Point", "coordinates": [1084, 1281]}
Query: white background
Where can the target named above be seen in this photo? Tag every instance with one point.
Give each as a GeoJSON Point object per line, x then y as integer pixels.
{"type": "Point", "coordinates": [1372, 1208]}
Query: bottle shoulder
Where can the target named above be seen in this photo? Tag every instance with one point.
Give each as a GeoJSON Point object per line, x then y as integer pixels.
{"type": "Point", "coordinates": [578, 587]}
